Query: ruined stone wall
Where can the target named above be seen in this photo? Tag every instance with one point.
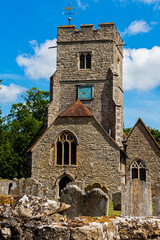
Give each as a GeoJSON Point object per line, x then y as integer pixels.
{"type": "Point", "coordinates": [141, 146]}
{"type": "Point", "coordinates": [98, 157]}
{"type": "Point", "coordinates": [105, 46]}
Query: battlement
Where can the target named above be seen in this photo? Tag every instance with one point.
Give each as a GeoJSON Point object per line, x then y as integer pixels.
{"type": "Point", "coordinates": [87, 32]}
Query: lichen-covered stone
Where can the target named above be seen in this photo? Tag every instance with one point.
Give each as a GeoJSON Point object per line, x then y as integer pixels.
{"type": "Point", "coordinates": [4, 186]}
{"type": "Point", "coordinates": [137, 199]}
{"type": "Point", "coordinates": [30, 207]}
{"type": "Point", "coordinates": [28, 186]}
{"type": "Point", "coordinates": [156, 211]}
{"type": "Point", "coordinates": [82, 228]}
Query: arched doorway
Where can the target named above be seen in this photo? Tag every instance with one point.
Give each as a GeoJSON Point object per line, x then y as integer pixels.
{"type": "Point", "coordinates": [63, 182]}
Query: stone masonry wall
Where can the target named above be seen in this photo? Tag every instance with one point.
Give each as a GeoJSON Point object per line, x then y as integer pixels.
{"type": "Point", "coordinates": [98, 157]}
{"type": "Point", "coordinates": [105, 46]}
{"type": "Point", "coordinates": [141, 146]}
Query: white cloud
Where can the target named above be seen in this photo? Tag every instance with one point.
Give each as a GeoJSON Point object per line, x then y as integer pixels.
{"type": "Point", "coordinates": [9, 94]}
{"type": "Point", "coordinates": [11, 76]}
{"type": "Point", "coordinates": [141, 68]}
{"type": "Point", "coordinates": [149, 1]}
{"type": "Point", "coordinates": [137, 27]}
{"type": "Point", "coordinates": [42, 63]}
{"type": "Point", "coordinates": [83, 6]}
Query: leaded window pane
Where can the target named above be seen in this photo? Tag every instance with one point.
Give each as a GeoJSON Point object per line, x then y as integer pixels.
{"type": "Point", "coordinates": [82, 61]}
{"type": "Point", "coordinates": [66, 153]}
{"type": "Point", "coordinates": [59, 153]}
{"type": "Point", "coordinates": [134, 173]}
{"type": "Point", "coordinates": [88, 61]}
{"type": "Point", "coordinates": [73, 153]}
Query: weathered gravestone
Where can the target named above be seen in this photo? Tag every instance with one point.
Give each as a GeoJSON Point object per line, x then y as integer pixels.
{"type": "Point", "coordinates": [116, 198]}
{"type": "Point", "coordinates": [156, 211]}
{"type": "Point", "coordinates": [73, 195]}
{"type": "Point", "coordinates": [93, 203]}
{"type": "Point", "coordinates": [27, 186]}
{"type": "Point", "coordinates": [4, 186]}
{"type": "Point", "coordinates": [137, 199]}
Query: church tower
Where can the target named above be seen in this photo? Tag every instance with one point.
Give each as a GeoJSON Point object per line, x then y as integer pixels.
{"type": "Point", "coordinates": [89, 68]}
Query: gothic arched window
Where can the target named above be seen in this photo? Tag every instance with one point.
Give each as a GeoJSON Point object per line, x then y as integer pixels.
{"type": "Point", "coordinates": [66, 149]}
{"type": "Point", "coordinates": [138, 169]}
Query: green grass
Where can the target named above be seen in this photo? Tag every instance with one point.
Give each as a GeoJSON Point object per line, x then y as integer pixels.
{"type": "Point", "coordinates": [112, 212]}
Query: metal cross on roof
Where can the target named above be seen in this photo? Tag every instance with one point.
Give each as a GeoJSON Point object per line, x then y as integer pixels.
{"type": "Point", "coordinates": [69, 13]}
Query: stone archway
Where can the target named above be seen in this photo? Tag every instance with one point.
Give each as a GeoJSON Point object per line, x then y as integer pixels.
{"type": "Point", "coordinates": [63, 182]}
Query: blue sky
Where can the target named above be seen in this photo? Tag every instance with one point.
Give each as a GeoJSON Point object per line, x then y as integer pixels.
{"type": "Point", "coordinates": [28, 28]}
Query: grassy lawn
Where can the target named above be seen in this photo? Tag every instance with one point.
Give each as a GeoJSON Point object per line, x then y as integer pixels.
{"type": "Point", "coordinates": [112, 212]}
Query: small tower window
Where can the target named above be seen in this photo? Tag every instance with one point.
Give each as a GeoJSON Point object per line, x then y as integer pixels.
{"type": "Point", "coordinates": [88, 61]}
{"type": "Point", "coordinates": [138, 170]}
{"type": "Point", "coordinates": [66, 149]}
{"type": "Point", "coordinates": [85, 61]}
{"type": "Point", "coordinates": [82, 61]}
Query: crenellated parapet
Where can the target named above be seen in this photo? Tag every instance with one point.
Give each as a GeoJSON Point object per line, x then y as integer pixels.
{"type": "Point", "coordinates": [106, 31]}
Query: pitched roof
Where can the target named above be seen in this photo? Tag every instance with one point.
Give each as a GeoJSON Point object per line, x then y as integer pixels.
{"type": "Point", "coordinates": [77, 109]}
{"type": "Point", "coordinates": [147, 130]}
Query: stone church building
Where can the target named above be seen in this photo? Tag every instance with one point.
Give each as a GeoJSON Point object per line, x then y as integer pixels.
{"type": "Point", "coordinates": [82, 139]}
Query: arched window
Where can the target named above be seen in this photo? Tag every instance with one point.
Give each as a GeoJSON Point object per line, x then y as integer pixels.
{"type": "Point", "coordinates": [66, 149]}
{"type": "Point", "coordinates": [138, 169]}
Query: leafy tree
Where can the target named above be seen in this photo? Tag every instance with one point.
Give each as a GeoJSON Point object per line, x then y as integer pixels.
{"type": "Point", "coordinates": [126, 130]}
{"type": "Point", "coordinates": [23, 122]}
{"type": "Point", "coordinates": [154, 132]}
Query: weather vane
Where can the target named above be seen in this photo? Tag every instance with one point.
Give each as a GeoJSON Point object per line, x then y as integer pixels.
{"type": "Point", "coordinates": [69, 13]}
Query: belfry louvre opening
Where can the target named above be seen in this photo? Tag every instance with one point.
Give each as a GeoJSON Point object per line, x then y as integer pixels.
{"type": "Point", "coordinates": [66, 149]}
{"type": "Point", "coordinates": [85, 61]}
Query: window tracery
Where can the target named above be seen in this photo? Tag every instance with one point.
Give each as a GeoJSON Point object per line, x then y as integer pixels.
{"type": "Point", "coordinates": [138, 170]}
{"type": "Point", "coordinates": [66, 149]}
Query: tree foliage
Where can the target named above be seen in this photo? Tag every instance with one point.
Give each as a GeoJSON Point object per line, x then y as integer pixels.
{"type": "Point", "coordinates": [155, 133]}
{"type": "Point", "coordinates": [18, 129]}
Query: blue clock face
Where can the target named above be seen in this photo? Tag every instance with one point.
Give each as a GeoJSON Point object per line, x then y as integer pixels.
{"type": "Point", "coordinates": [84, 92]}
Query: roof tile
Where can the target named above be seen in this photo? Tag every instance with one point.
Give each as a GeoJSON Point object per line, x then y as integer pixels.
{"type": "Point", "coordinates": [77, 109]}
